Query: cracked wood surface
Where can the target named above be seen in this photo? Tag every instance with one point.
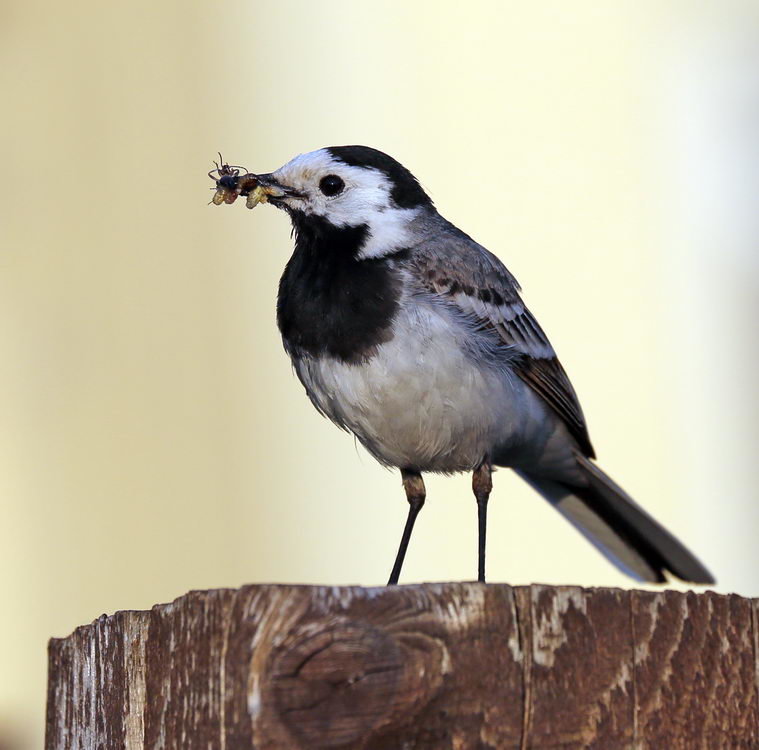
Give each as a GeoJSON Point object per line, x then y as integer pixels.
{"type": "Point", "coordinates": [434, 666]}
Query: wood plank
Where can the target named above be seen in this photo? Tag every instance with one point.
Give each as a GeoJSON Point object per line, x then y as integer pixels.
{"type": "Point", "coordinates": [581, 681]}
{"type": "Point", "coordinates": [436, 666]}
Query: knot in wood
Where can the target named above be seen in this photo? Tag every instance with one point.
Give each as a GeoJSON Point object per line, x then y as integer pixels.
{"type": "Point", "coordinates": [336, 683]}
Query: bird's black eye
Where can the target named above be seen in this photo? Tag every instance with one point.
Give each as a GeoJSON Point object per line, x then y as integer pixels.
{"type": "Point", "coordinates": [331, 185]}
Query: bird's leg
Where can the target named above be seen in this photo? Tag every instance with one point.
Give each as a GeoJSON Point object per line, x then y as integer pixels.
{"type": "Point", "coordinates": [415, 494]}
{"type": "Point", "coordinates": [482, 483]}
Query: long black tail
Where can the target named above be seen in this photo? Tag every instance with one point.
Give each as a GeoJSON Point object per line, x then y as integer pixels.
{"type": "Point", "coordinates": [620, 528]}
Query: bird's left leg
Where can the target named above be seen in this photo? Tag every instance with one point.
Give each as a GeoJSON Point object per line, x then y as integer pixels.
{"type": "Point", "coordinates": [482, 484]}
{"type": "Point", "coordinates": [415, 494]}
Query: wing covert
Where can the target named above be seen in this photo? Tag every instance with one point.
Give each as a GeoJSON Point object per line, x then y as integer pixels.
{"type": "Point", "coordinates": [456, 268]}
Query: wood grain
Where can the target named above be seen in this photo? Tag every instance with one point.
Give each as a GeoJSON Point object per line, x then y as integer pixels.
{"type": "Point", "coordinates": [693, 651]}
{"type": "Point", "coordinates": [444, 666]}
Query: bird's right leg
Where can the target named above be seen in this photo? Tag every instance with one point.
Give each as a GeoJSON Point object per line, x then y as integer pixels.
{"type": "Point", "coordinates": [415, 494]}
{"type": "Point", "coordinates": [482, 484]}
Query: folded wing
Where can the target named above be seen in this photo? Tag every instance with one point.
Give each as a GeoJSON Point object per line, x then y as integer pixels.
{"type": "Point", "coordinates": [464, 273]}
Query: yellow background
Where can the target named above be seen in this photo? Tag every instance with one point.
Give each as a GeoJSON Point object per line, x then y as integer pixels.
{"type": "Point", "coordinates": [152, 436]}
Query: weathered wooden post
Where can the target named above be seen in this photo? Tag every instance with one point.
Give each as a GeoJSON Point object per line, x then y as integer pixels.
{"type": "Point", "coordinates": [459, 665]}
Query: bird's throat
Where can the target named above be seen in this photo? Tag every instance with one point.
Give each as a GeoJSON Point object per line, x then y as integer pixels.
{"type": "Point", "coordinates": [331, 302]}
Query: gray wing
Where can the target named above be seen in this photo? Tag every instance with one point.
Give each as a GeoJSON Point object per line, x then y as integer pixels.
{"type": "Point", "coordinates": [456, 268]}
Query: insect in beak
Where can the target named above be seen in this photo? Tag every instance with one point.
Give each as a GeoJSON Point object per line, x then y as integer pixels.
{"type": "Point", "coordinates": [228, 181]}
{"type": "Point", "coordinates": [256, 188]}
{"type": "Point", "coordinates": [265, 189]}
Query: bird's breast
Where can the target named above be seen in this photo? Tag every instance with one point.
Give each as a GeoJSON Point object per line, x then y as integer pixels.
{"type": "Point", "coordinates": [421, 401]}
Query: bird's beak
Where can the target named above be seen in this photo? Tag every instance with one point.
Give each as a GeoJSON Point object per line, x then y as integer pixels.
{"type": "Point", "coordinates": [266, 188]}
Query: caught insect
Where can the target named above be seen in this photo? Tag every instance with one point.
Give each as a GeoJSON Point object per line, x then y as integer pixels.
{"type": "Point", "coordinates": [230, 183]}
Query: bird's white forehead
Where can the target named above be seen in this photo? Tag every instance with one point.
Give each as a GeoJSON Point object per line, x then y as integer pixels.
{"type": "Point", "coordinates": [309, 167]}
{"type": "Point", "coordinates": [306, 170]}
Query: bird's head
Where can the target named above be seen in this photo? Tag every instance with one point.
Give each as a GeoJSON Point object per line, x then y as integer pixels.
{"type": "Point", "coordinates": [349, 188]}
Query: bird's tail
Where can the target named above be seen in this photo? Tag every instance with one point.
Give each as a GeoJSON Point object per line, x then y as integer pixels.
{"type": "Point", "coordinates": [619, 527]}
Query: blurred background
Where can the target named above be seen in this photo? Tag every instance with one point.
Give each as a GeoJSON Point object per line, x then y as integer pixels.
{"type": "Point", "coordinates": [152, 436]}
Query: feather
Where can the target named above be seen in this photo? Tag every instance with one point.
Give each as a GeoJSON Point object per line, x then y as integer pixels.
{"type": "Point", "coordinates": [621, 530]}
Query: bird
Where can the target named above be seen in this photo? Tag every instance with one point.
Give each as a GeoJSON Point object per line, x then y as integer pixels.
{"type": "Point", "coordinates": [412, 336]}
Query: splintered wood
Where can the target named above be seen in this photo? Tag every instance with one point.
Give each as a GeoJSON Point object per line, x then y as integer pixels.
{"type": "Point", "coordinates": [430, 667]}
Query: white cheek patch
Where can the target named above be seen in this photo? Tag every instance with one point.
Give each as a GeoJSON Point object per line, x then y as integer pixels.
{"type": "Point", "coordinates": [388, 232]}
{"type": "Point", "coordinates": [365, 200]}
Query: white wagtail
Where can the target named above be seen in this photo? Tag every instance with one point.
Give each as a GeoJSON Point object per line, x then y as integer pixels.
{"type": "Point", "coordinates": [407, 333]}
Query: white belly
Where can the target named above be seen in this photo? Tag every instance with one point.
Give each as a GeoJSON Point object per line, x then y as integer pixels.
{"type": "Point", "coordinates": [421, 401]}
